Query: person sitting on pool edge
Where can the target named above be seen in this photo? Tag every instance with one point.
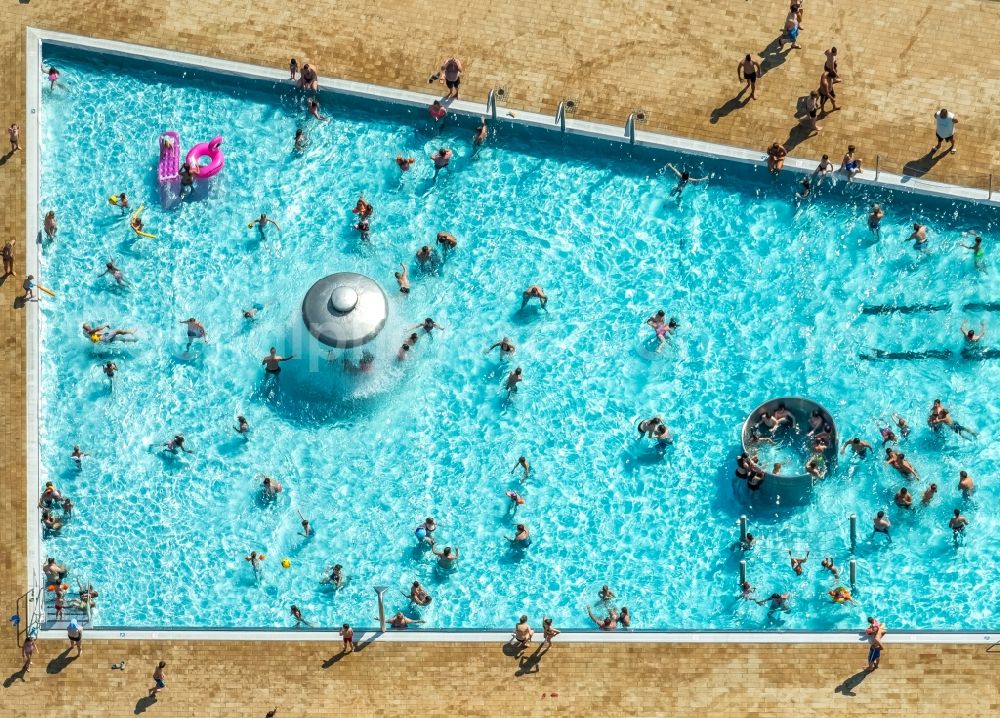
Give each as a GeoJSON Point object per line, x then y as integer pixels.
{"type": "Point", "coordinates": [776, 154]}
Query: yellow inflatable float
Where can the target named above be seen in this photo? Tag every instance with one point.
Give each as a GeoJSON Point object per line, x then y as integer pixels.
{"type": "Point", "coordinates": [136, 224]}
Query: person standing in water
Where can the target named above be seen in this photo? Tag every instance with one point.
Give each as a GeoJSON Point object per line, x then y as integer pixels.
{"type": "Point", "coordinates": [978, 255]}
{"type": "Point", "coordinates": [262, 223]}
{"type": "Point", "coordinates": [875, 220]}
{"type": "Point", "coordinates": [441, 158]}
{"type": "Point", "coordinates": [195, 330]}
{"type": "Point", "coordinates": [523, 464]}
{"type": "Point", "coordinates": [513, 379]}
{"type": "Point", "coordinates": [535, 291]}
{"type": "Point", "coordinates": [272, 363]}
{"type": "Point", "coordinates": [507, 347]}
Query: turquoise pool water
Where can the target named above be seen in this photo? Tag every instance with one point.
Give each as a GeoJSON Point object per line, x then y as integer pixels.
{"type": "Point", "coordinates": [773, 298]}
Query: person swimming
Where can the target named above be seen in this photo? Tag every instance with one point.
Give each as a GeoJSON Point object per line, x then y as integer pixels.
{"type": "Point", "coordinates": [105, 334]}
{"type": "Point", "coordinates": [978, 253]}
{"type": "Point", "coordinates": [683, 178]}
{"type": "Point", "coordinates": [176, 445]}
{"type": "Point", "coordinates": [403, 279]}
{"type": "Point", "coordinates": [116, 274]}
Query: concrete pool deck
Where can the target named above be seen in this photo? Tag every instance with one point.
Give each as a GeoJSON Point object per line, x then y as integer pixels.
{"type": "Point", "coordinates": [531, 52]}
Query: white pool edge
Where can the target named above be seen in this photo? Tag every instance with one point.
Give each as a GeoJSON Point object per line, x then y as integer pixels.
{"type": "Point", "coordinates": [35, 37]}
{"type": "Point", "coordinates": [32, 59]}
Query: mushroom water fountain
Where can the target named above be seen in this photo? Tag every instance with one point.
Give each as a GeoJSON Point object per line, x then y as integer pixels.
{"type": "Point", "coordinates": [342, 354]}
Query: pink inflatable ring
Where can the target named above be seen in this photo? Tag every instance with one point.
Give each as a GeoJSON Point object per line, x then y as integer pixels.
{"type": "Point", "coordinates": [215, 158]}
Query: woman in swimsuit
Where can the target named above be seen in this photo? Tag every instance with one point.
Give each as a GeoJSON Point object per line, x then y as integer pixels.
{"type": "Point", "coordinates": [978, 255]}
{"type": "Point", "coordinates": [776, 157]}
{"type": "Point", "coordinates": [116, 273]}
{"type": "Point", "coordinates": [507, 347]}
{"type": "Point", "coordinates": [308, 79]}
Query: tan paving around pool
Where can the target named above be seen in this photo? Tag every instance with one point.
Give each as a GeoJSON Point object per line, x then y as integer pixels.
{"type": "Point", "coordinates": [900, 61]}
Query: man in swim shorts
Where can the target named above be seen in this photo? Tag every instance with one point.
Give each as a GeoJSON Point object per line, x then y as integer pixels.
{"type": "Point", "coordinates": [748, 70]}
{"type": "Point", "coordinates": [875, 648]}
{"type": "Point", "coordinates": [271, 362]}
{"type": "Point", "coordinates": [195, 330]}
{"type": "Point", "coordinates": [451, 75]}
{"type": "Point", "coordinates": [944, 129]}
{"type": "Point", "coordinates": [850, 164]}
{"type": "Point", "coordinates": [158, 683]}
{"type": "Point", "coordinates": [790, 31]}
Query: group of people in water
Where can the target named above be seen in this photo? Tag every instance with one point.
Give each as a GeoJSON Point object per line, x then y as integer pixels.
{"type": "Point", "coordinates": [768, 425]}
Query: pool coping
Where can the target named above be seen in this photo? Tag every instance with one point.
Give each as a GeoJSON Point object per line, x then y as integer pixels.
{"type": "Point", "coordinates": [34, 39]}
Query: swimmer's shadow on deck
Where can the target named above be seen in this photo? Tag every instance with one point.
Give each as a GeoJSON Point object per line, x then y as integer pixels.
{"type": "Point", "coordinates": [773, 56]}
{"type": "Point", "coordinates": [338, 657]}
{"type": "Point", "coordinates": [847, 687]}
{"type": "Point", "coordinates": [798, 134]}
{"type": "Point", "coordinates": [57, 664]}
{"type": "Point", "coordinates": [144, 704]}
{"type": "Point", "coordinates": [17, 675]}
{"type": "Point", "coordinates": [922, 165]}
{"type": "Point", "coordinates": [730, 106]}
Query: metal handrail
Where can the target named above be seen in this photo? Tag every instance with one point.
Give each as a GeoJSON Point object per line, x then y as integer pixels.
{"type": "Point", "coordinates": [561, 115]}
{"type": "Point", "coordinates": [491, 103]}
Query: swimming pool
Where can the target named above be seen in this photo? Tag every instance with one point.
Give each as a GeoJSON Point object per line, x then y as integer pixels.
{"type": "Point", "coordinates": [773, 299]}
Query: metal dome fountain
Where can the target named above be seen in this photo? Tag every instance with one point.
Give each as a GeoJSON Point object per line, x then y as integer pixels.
{"type": "Point", "coordinates": [345, 310]}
